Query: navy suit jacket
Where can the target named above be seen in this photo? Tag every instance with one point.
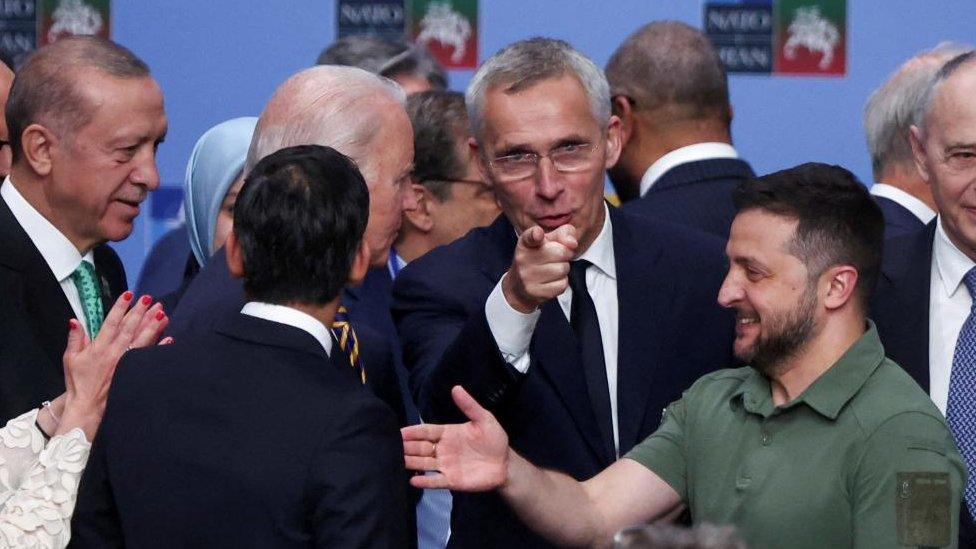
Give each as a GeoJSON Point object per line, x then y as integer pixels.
{"type": "Point", "coordinates": [34, 314]}
{"type": "Point", "coordinates": [671, 331]}
{"type": "Point", "coordinates": [899, 220]}
{"type": "Point", "coordinates": [246, 435]}
{"type": "Point", "coordinates": [697, 194]}
{"type": "Point", "coordinates": [900, 310]}
{"type": "Point", "coordinates": [214, 294]}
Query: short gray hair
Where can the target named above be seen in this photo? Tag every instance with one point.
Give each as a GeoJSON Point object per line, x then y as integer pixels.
{"type": "Point", "coordinates": [527, 62]}
{"type": "Point", "coordinates": [945, 71]}
{"type": "Point", "coordinates": [900, 102]}
{"type": "Point", "coordinates": [384, 57]}
{"type": "Point", "coordinates": [324, 105]}
{"type": "Point", "coordinates": [671, 65]}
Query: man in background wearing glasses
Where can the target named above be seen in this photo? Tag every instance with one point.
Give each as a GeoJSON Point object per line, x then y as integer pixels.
{"type": "Point", "coordinates": [574, 323]}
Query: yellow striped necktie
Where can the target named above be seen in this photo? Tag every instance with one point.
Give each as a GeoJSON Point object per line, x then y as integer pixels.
{"type": "Point", "coordinates": [348, 341]}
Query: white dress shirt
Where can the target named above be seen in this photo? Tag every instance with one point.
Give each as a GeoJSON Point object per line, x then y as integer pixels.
{"type": "Point", "coordinates": [949, 303]}
{"type": "Point", "coordinates": [292, 317]}
{"type": "Point", "coordinates": [58, 252]}
{"type": "Point", "coordinates": [690, 153]}
{"type": "Point", "coordinates": [513, 330]}
{"type": "Point", "coordinates": [918, 208]}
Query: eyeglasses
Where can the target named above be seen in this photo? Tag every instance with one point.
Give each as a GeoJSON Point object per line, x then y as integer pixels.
{"type": "Point", "coordinates": [572, 158]}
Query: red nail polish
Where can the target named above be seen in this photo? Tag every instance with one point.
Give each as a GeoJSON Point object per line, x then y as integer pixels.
{"type": "Point", "coordinates": [160, 315]}
{"type": "Point", "coordinates": [127, 296]}
{"type": "Point", "coordinates": [146, 300]}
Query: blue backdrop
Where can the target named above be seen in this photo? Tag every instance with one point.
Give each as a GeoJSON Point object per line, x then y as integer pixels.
{"type": "Point", "coordinates": [219, 59]}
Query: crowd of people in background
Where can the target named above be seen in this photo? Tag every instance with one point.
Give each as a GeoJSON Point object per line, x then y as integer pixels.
{"type": "Point", "coordinates": [403, 316]}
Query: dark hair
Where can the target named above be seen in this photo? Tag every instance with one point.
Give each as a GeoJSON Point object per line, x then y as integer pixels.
{"type": "Point", "coordinates": [440, 123]}
{"type": "Point", "coordinates": [299, 219]}
{"type": "Point", "coordinates": [384, 57]}
{"type": "Point", "coordinates": [48, 90]}
{"type": "Point", "coordinates": [839, 223]}
{"type": "Point", "coordinates": [673, 66]}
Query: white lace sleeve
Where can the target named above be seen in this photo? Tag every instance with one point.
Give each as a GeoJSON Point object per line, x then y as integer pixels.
{"type": "Point", "coordinates": [38, 484]}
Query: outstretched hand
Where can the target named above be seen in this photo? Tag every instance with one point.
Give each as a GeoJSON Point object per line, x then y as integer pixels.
{"type": "Point", "coordinates": [467, 457]}
{"type": "Point", "coordinates": [89, 366]}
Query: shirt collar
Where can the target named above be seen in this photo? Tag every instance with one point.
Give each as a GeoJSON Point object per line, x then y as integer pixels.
{"type": "Point", "coordinates": [918, 208]}
{"type": "Point", "coordinates": [292, 317]}
{"type": "Point", "coordinates": [600, 252]}
{"type": "Point", "coordinates": [690, 153]}
{"type": "Point", "coordinates": [951, 264]}
{"type": "Point", "coordinates": [395, 263]}
{"type": "Point", "coordinates": [58, 252]}
{"type": "Point", "coordinates": [832, 390]}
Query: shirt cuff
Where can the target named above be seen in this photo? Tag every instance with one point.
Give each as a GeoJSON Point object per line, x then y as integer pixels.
{"type": "Point", "coordinates": [511, 329]}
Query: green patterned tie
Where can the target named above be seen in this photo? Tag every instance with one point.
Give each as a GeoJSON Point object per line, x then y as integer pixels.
{"type": "Point", "coordinates": [91, 298]}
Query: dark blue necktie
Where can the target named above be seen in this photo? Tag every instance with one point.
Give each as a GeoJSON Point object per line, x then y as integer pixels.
{"type": "Point", "coordinates": [961, 409]}
{"type": "Point", "coordinates": [586, 326]}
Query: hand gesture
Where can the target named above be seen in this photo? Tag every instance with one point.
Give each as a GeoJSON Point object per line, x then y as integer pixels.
{"type": "Point", "coordinates": [90, 365]}
{"type": "Point", "coordinates": [540, 268]}
{"type": "Point", "coordinates": [469, 457]}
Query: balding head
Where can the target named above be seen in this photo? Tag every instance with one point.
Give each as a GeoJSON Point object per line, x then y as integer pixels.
{"type": "Point", "coordinates": [360, 115]}
{"type": "Point", "coordinates": [669, 88]}
{"type": "Point", "coordinates": [6, 79]}
{"type": "Point", "coordinates": [894, 107]}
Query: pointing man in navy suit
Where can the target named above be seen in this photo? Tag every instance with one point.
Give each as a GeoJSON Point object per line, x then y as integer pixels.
{"type": "Point", "coordinates": [573, 322]}
{"type": "Point", "coordinates": [677, 162]}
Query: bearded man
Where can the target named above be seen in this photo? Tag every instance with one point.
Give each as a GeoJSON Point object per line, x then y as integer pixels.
{"type": "Point", "coordinates": [820, 442]}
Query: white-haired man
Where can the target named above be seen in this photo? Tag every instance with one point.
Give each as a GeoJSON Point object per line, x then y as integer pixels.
{"type": "Point", "coordinates": [904, 197]}
{"type": "Point", "coordinates": [577, 357]}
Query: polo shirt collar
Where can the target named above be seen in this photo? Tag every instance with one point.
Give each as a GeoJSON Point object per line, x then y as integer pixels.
{"type": "Point", "coordinates": [58, 252]}
{"type": "Point", "coordinates": [832, 390]}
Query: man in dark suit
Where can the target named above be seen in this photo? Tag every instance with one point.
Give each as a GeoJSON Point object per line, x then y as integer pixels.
{"type": "Point", "coordinates": [904, 197]}
{"type": "Point", "coordinates": [258, 432]}
{"type": "Point", "coordinates": [677, 162]}
{"type": "Point", "coordinates": [85, 118]}
{"type": "Point", "coordinates": [923, 302]}
{"type": "Point", "coordinates": [577, 359]}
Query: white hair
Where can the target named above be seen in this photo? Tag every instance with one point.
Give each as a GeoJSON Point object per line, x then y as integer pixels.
{"type": "Point", "coordinates": [901, 102]}
{"type": "Point", "coordinates": [524, 63]}
{"type": "Point", "coordinates": [338, 107]}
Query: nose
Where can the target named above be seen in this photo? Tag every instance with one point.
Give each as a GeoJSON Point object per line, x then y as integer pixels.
{"type": "Point", "coordinates": [145, 173]}
{"type": "Point", "coordinates": [730, 292]}
{"type": "Point", "coordinates": [548, 181]}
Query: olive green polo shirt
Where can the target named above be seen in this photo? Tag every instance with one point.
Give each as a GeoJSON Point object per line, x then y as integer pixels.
{"type": "Point", "coordinates": [862, 458]}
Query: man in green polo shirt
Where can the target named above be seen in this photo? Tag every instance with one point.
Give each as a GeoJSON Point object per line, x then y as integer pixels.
{"type": "Point", "coordinates": [820, 442]}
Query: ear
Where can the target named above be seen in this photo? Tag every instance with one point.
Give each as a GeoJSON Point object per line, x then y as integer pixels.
{"type": "Point", "coordinates": [360, 264]}
{"type": "Point", "coordinates": [235, 257]}
{"type": "Point", "coordinates": [614, 142]}
{"type": "Point", "coordinates": [420, 216]}
{"type": "Point", "coordinates": [482, 164]}
{"type": "Point", "coordinates": [620, 106]}
{"type": "Point", "coordinates": [915, 139]}
{"type": "Point", "coordinates": [841, 281]}
{"type": "Point", "coordinates": [38, 144]}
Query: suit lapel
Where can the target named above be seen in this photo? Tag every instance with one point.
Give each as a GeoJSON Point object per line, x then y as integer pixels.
{"type": "Point", "coordinates": [553, 349]}
{"type": "Point", "coordinates": [909, 273]}
{"type": "Point", "coordinates": [45, 307]}
{"type": "Point", "coordinates": [641, 298]}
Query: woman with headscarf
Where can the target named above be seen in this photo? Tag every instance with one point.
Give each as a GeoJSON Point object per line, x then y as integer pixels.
{"type": "Point", "coordinates": [209, 193]}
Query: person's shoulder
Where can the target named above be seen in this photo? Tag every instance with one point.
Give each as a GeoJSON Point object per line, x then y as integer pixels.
{"type": "Point", "coordinates": [453, 267]}
{"type": "Point", "coordinates": [677, 240]}
{"type": "Point", "coordinates": [891, 399]}
{"type": "Point", "coordinates": [719, 385]}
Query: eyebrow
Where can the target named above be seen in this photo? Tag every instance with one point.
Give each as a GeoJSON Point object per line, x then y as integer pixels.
{"type": "Point", "coordinates": [524, 148]}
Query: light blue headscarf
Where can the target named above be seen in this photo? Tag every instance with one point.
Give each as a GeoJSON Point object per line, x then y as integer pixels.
{"type": "Point", "coordinates": [216, 161]}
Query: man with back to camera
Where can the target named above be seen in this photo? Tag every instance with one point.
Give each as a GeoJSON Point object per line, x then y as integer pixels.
{"type": "Point", "coordinates": [84, 117]}
{"type": "Point", "coordinates": [924, 298]}
{"type": "Point", "coordinates": [577, 357]}
{"type": "Point", "coordinates": [257, 432]}
{"type": "Point", "coordinates": [677, 163]}
{"type": "Point", "coordinates": [904, 197]}
{"type": "Point", "coordinates": [820, 442]}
